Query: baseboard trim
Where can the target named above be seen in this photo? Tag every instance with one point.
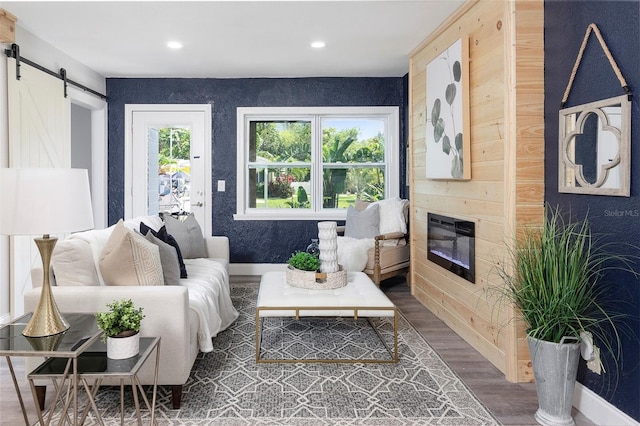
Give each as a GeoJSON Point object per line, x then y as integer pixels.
{"type": "Point", "coordinates": [5, 319]}
{"type": "Point", "coordinates": [255, 268]}
{"type": "Point", "coordinates": [598, 410]}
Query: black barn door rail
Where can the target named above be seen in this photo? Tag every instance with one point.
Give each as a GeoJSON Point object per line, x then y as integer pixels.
{"type": "Point", "coordinates": [14, 53]}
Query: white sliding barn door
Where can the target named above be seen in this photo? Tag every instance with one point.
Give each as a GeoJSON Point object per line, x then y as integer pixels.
{"type": "Point", "coordinates": [39, 136]}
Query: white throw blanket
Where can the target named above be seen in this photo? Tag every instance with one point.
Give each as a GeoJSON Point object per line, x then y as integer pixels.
{"type": "Point", "coordinates": [352, 252]}
{"type": "Point", "coordinates": [210, 298]}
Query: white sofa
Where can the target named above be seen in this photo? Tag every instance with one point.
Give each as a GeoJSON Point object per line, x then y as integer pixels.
{"type": "Point", "coordinates": [185, 316]}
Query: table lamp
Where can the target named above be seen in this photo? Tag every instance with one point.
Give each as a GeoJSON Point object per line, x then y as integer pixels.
{"type": "Point", "coordinates": [44, 201]}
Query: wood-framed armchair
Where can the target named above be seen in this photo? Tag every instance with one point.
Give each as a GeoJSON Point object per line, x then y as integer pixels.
{"type": "Point", "coordinates": [390, 256]}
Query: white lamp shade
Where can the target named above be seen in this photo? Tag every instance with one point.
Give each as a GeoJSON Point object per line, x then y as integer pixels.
{"type": "Point", "coordinates": [44, 201]}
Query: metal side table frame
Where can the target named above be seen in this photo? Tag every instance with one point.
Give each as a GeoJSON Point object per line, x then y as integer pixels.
{"type": "Point", "coordinates": [69, 344]}
{"type": "Point", "coordinates": [93, 368]}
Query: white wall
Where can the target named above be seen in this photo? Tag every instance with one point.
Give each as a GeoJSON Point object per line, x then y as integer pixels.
{"type": "Point", "coordinates": [43, 53]}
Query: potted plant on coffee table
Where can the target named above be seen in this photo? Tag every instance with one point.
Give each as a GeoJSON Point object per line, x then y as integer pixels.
{"type": "Point", "coordinates": [121, 327]}
{"type": "Point", "coordinates": [302, 269]}
{"type": "Point", "coordinates": [552, 278]}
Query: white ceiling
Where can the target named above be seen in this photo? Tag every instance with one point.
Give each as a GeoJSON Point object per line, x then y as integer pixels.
{"type": "Point", "coordinates": [236, 38]}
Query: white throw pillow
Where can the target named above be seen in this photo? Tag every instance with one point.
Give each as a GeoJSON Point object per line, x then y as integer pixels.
{"type": "Point", "coordinates": [72, 263]}
{"type": "Point", "coordinates": [128, 259]}
{"type": "Point", "coordinates": [391, 215]}
{"type": "Point", "coordinates": [352, 252]}
{"type": "Point", "coordinates": [97, 240]}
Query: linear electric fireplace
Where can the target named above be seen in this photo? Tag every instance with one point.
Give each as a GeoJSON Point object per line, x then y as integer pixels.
{"type": "Point", "coordinates": [451, 245]}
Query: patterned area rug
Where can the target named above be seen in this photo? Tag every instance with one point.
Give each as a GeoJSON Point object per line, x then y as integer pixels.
{"type": "Point", "coordinates": [227, 387]}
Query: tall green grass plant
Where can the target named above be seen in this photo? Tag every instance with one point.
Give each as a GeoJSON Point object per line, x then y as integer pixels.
{"type": "Point", "coordinates": [553, 278]}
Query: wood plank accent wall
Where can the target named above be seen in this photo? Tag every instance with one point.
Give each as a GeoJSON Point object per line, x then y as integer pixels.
{"type": "Point", "coordinates": [506, 190]}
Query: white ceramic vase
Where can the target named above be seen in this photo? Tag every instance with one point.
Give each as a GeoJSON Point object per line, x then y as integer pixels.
{"type": "Point", "coordinates": [328, 242]}
{"type": "Point", "coordinates": [123, 347]}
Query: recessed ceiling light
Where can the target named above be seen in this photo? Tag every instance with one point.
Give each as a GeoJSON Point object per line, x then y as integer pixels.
{"type": "Point", "coordinates": [318, 44]}
{"type": "Point", "coordinates": [174, 45]}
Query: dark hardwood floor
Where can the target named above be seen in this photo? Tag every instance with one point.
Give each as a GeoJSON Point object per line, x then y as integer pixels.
{"type": "Point", "coordinates": [510, 403]}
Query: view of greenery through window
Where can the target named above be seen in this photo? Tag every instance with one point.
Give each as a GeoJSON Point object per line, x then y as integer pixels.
{"type": "Point", "coordinates": [281, 169]}
{"type": "Point", "coordinates": [174, 168]}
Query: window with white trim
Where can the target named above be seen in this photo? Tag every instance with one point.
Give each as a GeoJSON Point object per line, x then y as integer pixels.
{"type": "Point", "coordinates": [313, 162]}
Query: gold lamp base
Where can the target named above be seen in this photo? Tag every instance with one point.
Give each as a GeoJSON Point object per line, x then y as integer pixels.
{"type": "Point", "coordinates": [46, 319]}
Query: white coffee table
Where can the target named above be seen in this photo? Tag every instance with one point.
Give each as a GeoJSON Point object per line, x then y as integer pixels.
{"type": "Point", "coordinates": [359, 298]}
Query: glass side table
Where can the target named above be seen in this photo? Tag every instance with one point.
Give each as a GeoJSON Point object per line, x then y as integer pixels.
{"type": "Point", "coordinates": [67, 346]}
{"type": "Point", "coordinates": [93, 368]}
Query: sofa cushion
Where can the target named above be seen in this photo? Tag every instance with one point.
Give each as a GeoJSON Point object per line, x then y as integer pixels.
{"type": "Point", "coordinates": [162, 235]}
{"type": "Point", "coordinates": [152, 221]}
{"type": "Point", "coordinates": [188, 234]}
{"type": "Point", "coordinates": [362, 224]}
{"type": "Point", "coordinates": [72, 263]}
{"type": "Point", "coordinates": [169, 259]}
{"type": "Point", "coordinates": [96, 240]}
{"type": "Point", "coordinates": [129, 259]}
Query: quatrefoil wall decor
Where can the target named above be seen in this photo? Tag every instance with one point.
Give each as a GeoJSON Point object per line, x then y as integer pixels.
{"type": "Point", "coordinates": [595, 138]}
{"type": "Point", "coordinates": [595, 148]}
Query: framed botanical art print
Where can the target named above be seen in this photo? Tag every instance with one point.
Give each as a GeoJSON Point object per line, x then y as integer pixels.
{"type": "Point", "coordinates": [447, 134]}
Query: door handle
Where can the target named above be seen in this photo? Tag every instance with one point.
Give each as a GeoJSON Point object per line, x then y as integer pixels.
{"type": "Point", "coordinates": [198, 204]}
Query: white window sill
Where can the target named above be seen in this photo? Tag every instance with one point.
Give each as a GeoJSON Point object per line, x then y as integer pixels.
{"type": "Point", "coordinates": [291, 215]}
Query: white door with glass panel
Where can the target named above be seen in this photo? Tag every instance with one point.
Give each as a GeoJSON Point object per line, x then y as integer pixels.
{"type": "Point", "coordinates": [167, 161]}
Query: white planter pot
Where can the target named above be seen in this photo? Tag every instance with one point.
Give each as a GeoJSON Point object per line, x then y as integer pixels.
{"type": "Point", "coordinates": [123, 347]}
{"type": "Point", "coordinates": [555, 366]}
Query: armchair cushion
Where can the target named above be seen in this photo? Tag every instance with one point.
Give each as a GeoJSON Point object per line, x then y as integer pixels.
{"type": "Point", "coordinates": [362, 224]}
{"type": "Point", "coordinates": [389, 256]}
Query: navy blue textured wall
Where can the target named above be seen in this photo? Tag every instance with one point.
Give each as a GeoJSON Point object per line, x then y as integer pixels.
{"type": "Point", "coordinates": [618, 217]}
{"type": "Point", "coordinates": [251, 241]}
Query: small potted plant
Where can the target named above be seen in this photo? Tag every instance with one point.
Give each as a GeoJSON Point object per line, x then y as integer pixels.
{"type": "Point", "coordinates": [304, 261]}
{"type": "Point", "coordinates": [303, 272]}
{"type": "Point", "coordinates": [121, 327]}
{"type": "Point", "coordinates": [302, 269]}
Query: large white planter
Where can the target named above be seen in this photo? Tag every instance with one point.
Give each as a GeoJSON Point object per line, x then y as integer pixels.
{"type": "Point", "coordinates": [123, 347]}
{"type": "Point", "coordinates": [555, 367]}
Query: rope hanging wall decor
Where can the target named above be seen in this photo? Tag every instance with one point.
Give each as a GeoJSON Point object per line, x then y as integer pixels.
{"type": "Point", "coordinates": [594, 28]}
{"type": "Point", "coordinates": [605, 149]}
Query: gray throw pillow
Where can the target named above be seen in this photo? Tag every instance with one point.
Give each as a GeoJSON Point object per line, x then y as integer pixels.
{"type": "Point", "coordinates": [363, 224]}
{"type": "Point", "coordinates": [188, 234]}
{"type": "Point", "coordinates": [169, 260]}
